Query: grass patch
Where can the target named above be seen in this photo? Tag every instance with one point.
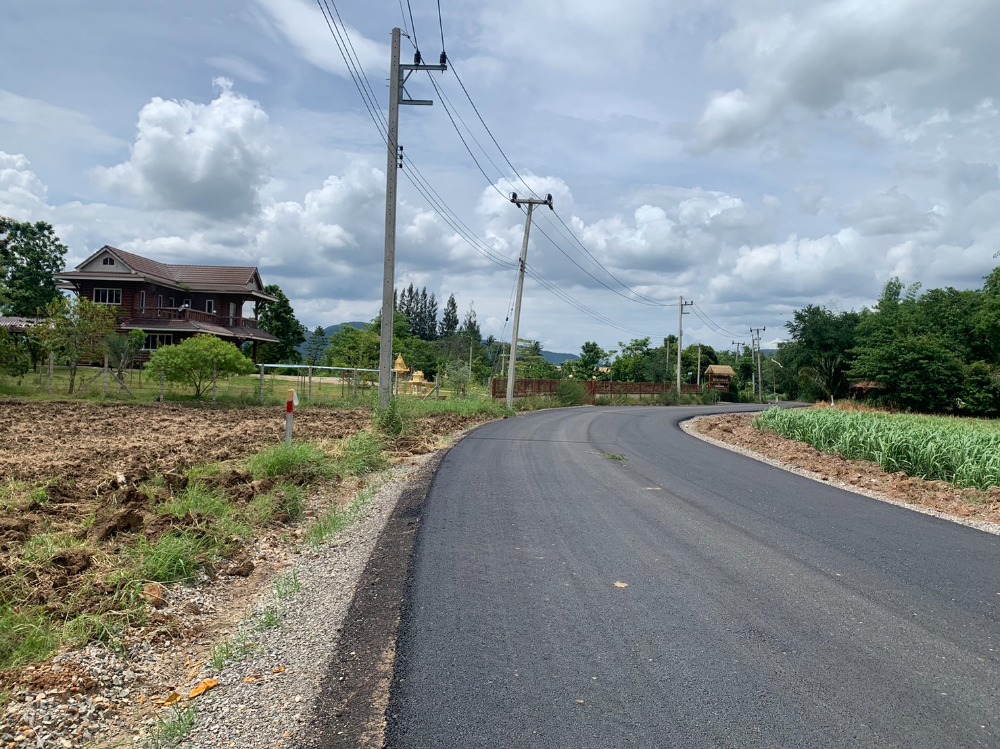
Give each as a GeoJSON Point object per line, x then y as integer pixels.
{"type": "Point", "coordinates": [360, 454]}
{"type": "Point", "coordinates": [300, 463]}
{"type": "Point", "coordinates": [338, 518]}
{"type": "Point", "coordinates": [269, 618]}
{"type": "Point", "coordinates": [178, 556]}
{"type": "Point", "coordinates": [26, 636]}
{"type": "Point", "coordinates": [198, 503]}
{"type": "Point", "coordinates": [170, 731]}
{"type": "Point", "coordinates": [285, 502]}
{"type": "Point", "coordinates": [615, 456]}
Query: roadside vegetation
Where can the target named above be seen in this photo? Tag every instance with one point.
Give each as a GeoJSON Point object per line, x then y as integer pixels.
{"type": "Point", "coordinates": [963, 452]}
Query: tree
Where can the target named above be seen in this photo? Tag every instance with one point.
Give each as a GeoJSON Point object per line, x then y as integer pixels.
{"type": "Point", "coordinates": [353, 348]}
{"type": "Point", "coordinates": [470, 326]}
{"type": "Point", "coordinates": [196, 361]}
{"type": "Point", "coordinates": [917, 372]}
{"type": "Point", "coordinates": [449, 320]}
{"type": "Point", "coordinates": [77, 331]}
{"type": "Point", "coordinates": [591, 356]}
{"type": "Point", "coordinates": [123, 349]}
{"type": "Point", "coordinates": [15, 359]}
{"type": "Point", "coordinates": [316, 346]}
{"type": "Point", "coordinates": [278, 319]}
{"type": "Point", "coordinates": [30, 255]}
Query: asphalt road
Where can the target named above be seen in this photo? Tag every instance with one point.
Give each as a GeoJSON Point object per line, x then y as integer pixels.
{"type": "Point", "coordinates": [762, 609]}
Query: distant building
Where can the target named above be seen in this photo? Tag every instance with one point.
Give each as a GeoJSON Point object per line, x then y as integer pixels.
{"type": "Point", "coordinates": [172, 302]}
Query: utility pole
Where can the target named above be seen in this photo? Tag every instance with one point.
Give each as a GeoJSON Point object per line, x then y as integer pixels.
{"type": "Point", "coordinates": [680, 339]}
{"type": "Point", "coordinates": [699, 366]}
{"type": "Point", "coordinates": [398, 75]}
{"type": "Point", "coordinates": [755, 339]}
{"type": "Point", "coordinates": [738, 344]}
{"type": "Point", "coordinates": [531, 203]}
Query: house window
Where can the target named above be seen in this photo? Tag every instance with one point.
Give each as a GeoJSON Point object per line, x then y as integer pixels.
{"type": "Point", "coordinates": [157, 340]}
{"type": "Point", "coordinates": [159, 300]}
{"type": "Point", "coordinates": [173, 302]}
{"type": "Point", "coordinates": [107, 260]}
{"type": "Point", "coordinates": [142, 300]}
{"type": "Point", "coordinates": [232, 312]}
{"type": "Point", "coordinates": [108, 296]}
{"type": "Point", "coordinates": [210, 306]}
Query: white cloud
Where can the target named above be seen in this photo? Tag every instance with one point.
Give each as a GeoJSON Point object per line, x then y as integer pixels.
{"type": "Point", "coordinates": [210, 159]}
{"type": "Point", "coordinates": [21, 192]}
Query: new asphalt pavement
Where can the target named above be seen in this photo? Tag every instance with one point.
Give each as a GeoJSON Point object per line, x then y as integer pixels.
{"type": "Point", "coordinates": [594, 577]}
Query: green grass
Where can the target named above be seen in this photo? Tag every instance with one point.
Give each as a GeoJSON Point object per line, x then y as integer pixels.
{"type": "Point", "coordinates": [26, 636]}
{"type": "Point", "coordinates": [178, 556]}
{"type": "Point", "coordinates": [963, 452]}
{"type": "Point", "coordinates": [360, 454]}
{"type": "Point", "coordinates": [287, 586]}
{"type": "Point", "coordinates": [169, 731]}
{"type": "Point", "coordinates": [237, 648]}
{"type": "Point", "coordinates": [269, 618]}
{"type": "Point", "coordinates": [336, 519]}
{"type": "Point", "coordinates": [197, 502]}
{"type": "Point", "coordinates": [299, 462]}
{"type": "Point", "coordinates": [284, 503]}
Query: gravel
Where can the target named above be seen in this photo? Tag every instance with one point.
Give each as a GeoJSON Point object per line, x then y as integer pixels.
{"type": "Point", "coordinates": [264, 696]}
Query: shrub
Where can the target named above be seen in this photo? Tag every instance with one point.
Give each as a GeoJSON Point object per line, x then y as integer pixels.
{"type": "Point", "coordinates": [571, 393]}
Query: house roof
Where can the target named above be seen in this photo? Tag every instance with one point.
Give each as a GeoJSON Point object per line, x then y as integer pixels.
{"type": "Point", "coordinates": [218, 278]}
{"type": "Point", "coordinates": [18, 324]}
{"type": "Point", "coordinates": [195, 326]}
{"type": "Point", "coordinates": [723, 370]}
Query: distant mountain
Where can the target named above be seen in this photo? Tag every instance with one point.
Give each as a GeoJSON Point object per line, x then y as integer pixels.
{"type": "Point", "coordinates": [336, 328]}
{"type": "Point", "coordinates": [553, 357]}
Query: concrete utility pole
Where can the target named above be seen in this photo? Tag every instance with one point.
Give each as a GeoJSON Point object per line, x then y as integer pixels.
{"type": "Point", "coordinates": [531, 203]}
{"type": "Point", "coordinates": [398, 75]}
{"type": "Point", "coordinates": [680, 339]}
{"type": "Point", "coordinates": [699, 366]}
{"type": "Point", "coordinates": [738, 345]}
{"type": "Point", "coordinates": [755, 340]}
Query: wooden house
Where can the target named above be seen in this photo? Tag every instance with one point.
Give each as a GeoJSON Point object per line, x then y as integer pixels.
{"type": "Point", "coordinates": [720, 377]}
{"type": "Point", "coordinates": [172, 302]}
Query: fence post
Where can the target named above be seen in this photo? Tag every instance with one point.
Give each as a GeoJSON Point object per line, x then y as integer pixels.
{"type": "Point", "coordinates": [309, 392]}
{"type": "Point", "coordinates": [52, 373]}
{"type": "Point", "coordinates": [163, 386]}
{"type": "Point", "coordinates": [215, 382]}
{"type": "Point", "coordinates": [261, 384]}
{"type": "Point", "coordinates": [289, 415]}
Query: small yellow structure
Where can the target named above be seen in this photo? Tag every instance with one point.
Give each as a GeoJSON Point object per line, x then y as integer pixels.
{"type": "Point", "coordinates": [418, 384]}
{"type": "Point", "coordinates": [400, 367]}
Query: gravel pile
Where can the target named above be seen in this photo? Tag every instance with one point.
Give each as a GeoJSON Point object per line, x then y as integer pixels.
{"type": "Point", "coordinates": [263, 697]}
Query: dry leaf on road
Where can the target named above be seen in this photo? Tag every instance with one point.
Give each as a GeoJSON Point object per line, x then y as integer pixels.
{"type": "Point", "coordinates": [620, 584]}
{"type": "Point", "coordinates": [202, 688]}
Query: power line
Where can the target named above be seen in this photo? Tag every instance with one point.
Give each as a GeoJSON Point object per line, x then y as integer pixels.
{"type": "Point", "coordinates": [413, 26]}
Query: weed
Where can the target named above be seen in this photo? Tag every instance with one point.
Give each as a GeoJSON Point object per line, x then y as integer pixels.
{"type": "Point", "coordinates": [197, 502]}
{"type": "Point", "coordinates": [389, 420]}
{"type": "Point", "coordinates": [615, 456]}
{"type": "Point", "coordinates": [338, 518]}
{"type": "Point", "coordinates": [177, 556]}
{"type": "Point", "coordinates": [169, 732]}
{"type": "Point", "coordinates": [283, 503]}
{"type": "Point", "coordinates": [269, 618]}
{"type": "Point", "coordinates": [208, 470]}
{"type": "Point", "coordinates": [232, 650]}
{"type": "Point", "coordinates": [300, 463]}
{"type": "Point", "coordinates": [287, 586]}
{"type": "Point", "coordinates": [360, 454]}
{"type": "Point", "coordinates": [26, 636]}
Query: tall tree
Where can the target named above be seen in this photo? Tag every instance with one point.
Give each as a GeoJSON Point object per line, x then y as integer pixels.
{"type": "Point", "coordinates": [278, 319]}
{"type": "Point", "coordinates": [315, 346]}
{"type": "Point", "coordinates": [449, 320]}
{"type": "Point", "coordinates": [470, 326]}
{"type": "Point", "coordinates": [30, 254]}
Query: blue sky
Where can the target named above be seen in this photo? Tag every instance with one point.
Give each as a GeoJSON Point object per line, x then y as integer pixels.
{"type": "Point", "coordinates": [753, 155]}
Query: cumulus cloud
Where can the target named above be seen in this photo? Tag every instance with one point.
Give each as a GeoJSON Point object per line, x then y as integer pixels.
{"type": "Point", "coordinates": [814, 57]}
{"type": "Point", "coordinates": [21, 192]}
{"type": "Point", "coordinates": [210, 159]}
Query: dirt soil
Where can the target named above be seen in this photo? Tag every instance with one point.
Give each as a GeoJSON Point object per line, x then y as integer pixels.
{"type": "Point", "coordinates": [936, 497]}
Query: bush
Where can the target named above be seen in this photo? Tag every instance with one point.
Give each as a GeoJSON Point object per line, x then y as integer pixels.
{"type": "Point", "coordinates": [571, 393]}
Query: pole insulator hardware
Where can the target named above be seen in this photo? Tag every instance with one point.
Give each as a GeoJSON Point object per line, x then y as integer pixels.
{"type": "Point", "coordinates": [513, 197]}
{"type": "Point", "coordinates": [444, 59]}
{"type": "Point", "coordinates": [400, 164]}
{"type": "Point", "coordinates": [417, 59]}
{"type": "Point", "coordinates": [548, 201]}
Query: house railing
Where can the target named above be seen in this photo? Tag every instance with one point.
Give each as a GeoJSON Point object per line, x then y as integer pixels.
{"type": "Point", "coordinates": [186, 313]}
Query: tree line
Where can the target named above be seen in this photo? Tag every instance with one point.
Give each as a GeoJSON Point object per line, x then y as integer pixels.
{"type": "Point", "coordinates": [929, 351]}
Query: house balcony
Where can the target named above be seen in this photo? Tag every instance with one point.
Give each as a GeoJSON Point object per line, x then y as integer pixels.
{"type": "Point", "coordinates": [186, 313]}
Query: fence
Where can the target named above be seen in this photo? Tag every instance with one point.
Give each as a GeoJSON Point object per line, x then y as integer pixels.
{"type": "Point", "coordinates": [594, 388]}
